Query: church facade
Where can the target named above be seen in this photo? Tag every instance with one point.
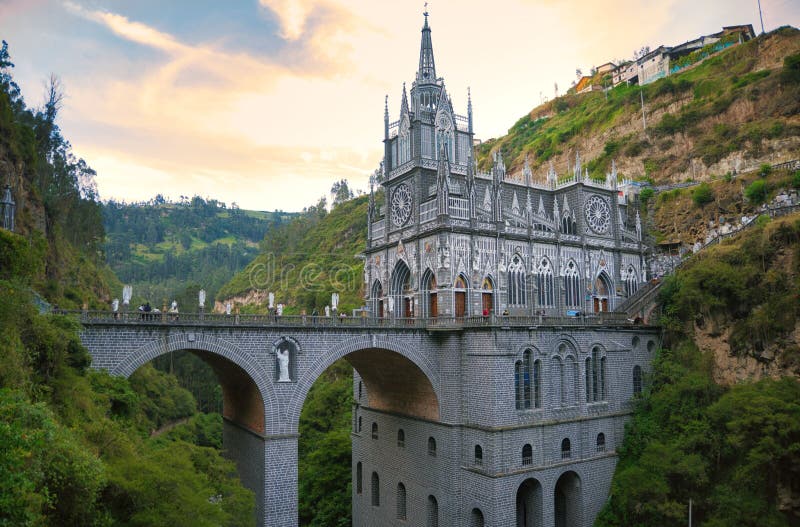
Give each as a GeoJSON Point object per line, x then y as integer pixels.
{"type": "Point", "coordinates": [532, 412]}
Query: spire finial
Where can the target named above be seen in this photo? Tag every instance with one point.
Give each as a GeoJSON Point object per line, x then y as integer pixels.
{"type": "Point", "coordinates": [426, 74]}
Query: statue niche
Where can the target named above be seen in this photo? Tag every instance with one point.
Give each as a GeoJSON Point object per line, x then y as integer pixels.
{"type": "Point", "coordinates": [285, 351]}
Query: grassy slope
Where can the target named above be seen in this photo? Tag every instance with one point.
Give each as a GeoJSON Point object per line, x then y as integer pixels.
{"type": "Point", "coordinates": [306, 260]}
{"type": "Point", "coordinates": [735, 102]}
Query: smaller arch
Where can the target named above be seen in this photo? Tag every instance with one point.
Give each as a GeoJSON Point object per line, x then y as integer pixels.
{"type": "Point", "coordinates": [359, 478]}
{"type": "Point", "coordinates": [651, 346]}
{"type": "Point", "coordinates": [476, 518]}
{"type": "Point", "coordinates": [401, 501]}
{"type": "Point", "coordinates": [567, 500]}
{"type": "Point", "coordinates": [545, 283]}
{"type": "Point", "coordinates": [433, 511]}
{"type": "Point", "coordinates": [376, 490]}
{"type": "Point", "coordinates": [478, 455]}
{"type": "Point", "coordinates": [401, 438]}
{"type": "Point", "coordinates": [517, 282]}
{"type": "Point", "coordinates": [374, 430]}
{"type": "Point", "coordinates": [601, 442]}
{"type": "Point", "coordinates": [635, 342]}
{"type": "Point", "coordinates": [432, 447]}
{"type": "Point", "coordinates": [529, 504]}
{"type": "Point", "coordinates": [527, 455]}
{"type": "Point", "coordinates": [460, 287]}
{"type": "Point", "coordinates": [566, 448]}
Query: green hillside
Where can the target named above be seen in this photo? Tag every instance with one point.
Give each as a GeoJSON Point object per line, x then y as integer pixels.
{"type": "Point", "coordinates": [306, 260]}
{"type": "Point", "coordinates": [75, 445]}
{"type": "Point", "coordinates": [170, 250]}
{"type": "Point", "coordinates": [738, 106]}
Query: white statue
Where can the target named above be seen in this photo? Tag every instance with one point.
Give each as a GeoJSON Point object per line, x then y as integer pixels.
{"type": "Point", "coordinates": [227, 308]}
{"type": "Point", "coordinates": [271, 300]}
{"type": "Point", "coordinates": [173, 308]}
{"type": "Point", "coordinates": [283, 357]}
{"type": "Point", "coordinates": [115, 305]}
{"type": "Point", "coordinates": [127, 292]}
{"type": "Point", "coordinates": [335, 301]}
{"type": "Point", "coordinates": [391, 304]}
{"type": "Point", "coordinates": [201, 297]}
{"type": "Point", "coordinates": [327, 311]}
{"type": "Point", "coordinates": [279, 310]}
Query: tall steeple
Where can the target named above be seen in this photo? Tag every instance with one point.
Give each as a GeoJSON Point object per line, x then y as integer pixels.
{"type": "Point", "coordinates": [426, 74]}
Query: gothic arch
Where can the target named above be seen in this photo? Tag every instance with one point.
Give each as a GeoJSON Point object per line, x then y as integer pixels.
{"type": "Point", "coordinates": [234, 367]}
{"type": "Point", "coordinates": [409, 368]}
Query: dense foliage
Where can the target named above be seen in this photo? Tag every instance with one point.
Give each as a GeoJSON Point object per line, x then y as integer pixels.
{"type": "Point", "coordinates": [75, 445]}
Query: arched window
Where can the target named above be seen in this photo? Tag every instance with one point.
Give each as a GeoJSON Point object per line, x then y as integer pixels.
{"type": "Point", "coordinates": [376, 490]}
{"type": "Point", "coordinates": [544, 283]}
{"type": "Point", "coordinates": [596, 377]}
{"type": "Point", "coordinates": [431, 447]}
{"type": "Point", "coordinates": [516, 282]}
{"type": "Point", "coordinates": [359, 470]}
{"type": "Point", "coordinates": [637, 380]}
{"type": "Point", "coordinates": [433, 512]}
{"type": "Point", "coordinates": [401, 501]}
{"type": "Point", "coordinates": [630, 280]}
{"type": "Point", "coordinates": [374, 430]}
{"type": "Point", "coordinates": [568, 224]}
{"type": "Point", "coordinates": [557, 375]}
{"type": "Point", "coordinates": [528, 382]}
{"type": "Point", "coordinates": [571, 378]}
{"type": "Point", "coordinates": [572, 285]}
{"type": "Point", "coordinates": [527, 455]}
{"type": "Point", "coordinates": [476, 518]}
{"type": "Point", "coordinates": [565, 449]}
{"type": "Point", "coordinates": [601, 442]}
{"type": "Point", "coordinates": [401, 438]}
{"type": "Point", "coordinates": [478, 455]}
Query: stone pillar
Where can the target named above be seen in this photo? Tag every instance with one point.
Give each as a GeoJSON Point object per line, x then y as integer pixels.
{"type": "Point", "coordinates": [280, 481]}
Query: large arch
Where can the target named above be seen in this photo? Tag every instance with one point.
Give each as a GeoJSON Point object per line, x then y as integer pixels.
{"type": "Point", "coordinates": [529, 504]}
{"type": "Point", "coordinates": [399, 291]}
{"type": "Point", "coordinates": [567, 500]}
{"type": "Point", "coordinates": [399, 378]}
{"type": "Point", "coordinates": [249, 398]}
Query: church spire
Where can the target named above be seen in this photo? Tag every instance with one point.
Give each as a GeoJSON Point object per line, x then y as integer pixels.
{"type": "Point", "coordinates": [427, 69]}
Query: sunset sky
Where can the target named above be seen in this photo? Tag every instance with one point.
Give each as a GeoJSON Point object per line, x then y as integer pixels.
{"type": "Point", "coordinates": [267, 102]}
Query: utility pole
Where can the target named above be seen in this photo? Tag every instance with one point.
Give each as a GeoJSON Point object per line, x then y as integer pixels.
{"type": "Point", "coordinates": [761, 16]}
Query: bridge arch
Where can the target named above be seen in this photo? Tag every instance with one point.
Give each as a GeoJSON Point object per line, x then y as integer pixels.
{"type": "Point", "coordinates": [248, 395]}
{"type": "Point", "coordinates": [372, 356]}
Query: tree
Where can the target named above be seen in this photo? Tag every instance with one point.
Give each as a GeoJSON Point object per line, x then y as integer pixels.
{"type": "Point", "coordinates": [340, 192]}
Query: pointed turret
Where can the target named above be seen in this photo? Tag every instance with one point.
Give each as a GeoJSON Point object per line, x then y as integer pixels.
{"type": "Point", "coordinates": [471, 185]}
{"type": "Point", "coordinates": [404, 102]}
{"type": "Point", "coordinates": [499, 173]}
{"type": "Point", "coordinates": [443, 181]}
{"type": "Point", "coordinates": [469, 110]}
{"type": "Point", "coordinates": [386, 117]}
{"type": "Point", "coordinates": [426, 74]}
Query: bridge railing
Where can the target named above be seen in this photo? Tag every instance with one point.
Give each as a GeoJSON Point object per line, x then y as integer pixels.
{"type": "Point", "coordinates": [437, 323]}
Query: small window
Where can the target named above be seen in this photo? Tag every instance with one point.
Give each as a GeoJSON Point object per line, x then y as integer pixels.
{"type": "Point", "coordinates": [478, 455]}
{"type": "Point", "coordinates": [374, 430]}
{"type": "Point", "coordinates": [651, 346]}
{"type": "Point", "coordinates": [376, 490]}
{"type": "Point", "coordinates": [431, 447]}
{"type": "Point", "coordinates": [565, 449]}
{"type": "Point", "coordinates": [401, 438]}
{"type": "Point", "coordinates": [359, 424]}
{"type": "Point", "coordinates": [359, 470]}
{"type": "Point", "coordinates": [359, 389]}
{"type": "Point", "coordinates": [637, 380]}
{"type": "Point", "coordinates": [401, 501]}
{"type": "Point", "coordinates": [527, 455]}
{"type": "Point", "coordinates": [601, 442]}
{"type": "Point", "coordinates": [635, 342]}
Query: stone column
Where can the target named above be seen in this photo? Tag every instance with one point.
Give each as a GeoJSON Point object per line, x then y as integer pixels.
{"type": "Point", "coordinates": [280, 481]}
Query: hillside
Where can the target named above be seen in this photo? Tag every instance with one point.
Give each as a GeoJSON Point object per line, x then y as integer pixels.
{"type": "Point", "coordinates": [169, 250]}
{"type": "Point", "coordinates": [733, 111]}
{"type": "Point", "coordinates": [704, 429]}
{"type": "Point", "coordinates": [75, 444]}
{"type": "Point", "coordinates": [306, 260]}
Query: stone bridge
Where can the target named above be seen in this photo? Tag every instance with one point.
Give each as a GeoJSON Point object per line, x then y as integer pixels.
{"type": "Point", "coordinates": [407, 366]}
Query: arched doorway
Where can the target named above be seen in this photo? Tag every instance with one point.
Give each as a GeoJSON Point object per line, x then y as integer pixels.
{"type": "Point", "coordinates": [460, 296]}
{"type": "Point", "coordinates": [402, 300]}
{"type": "Point", "coordinates": [476, 518]}
{"type": "Point", "coordinates": [487, 296]}
{"type": "Point", "coordinates": [529, 504]}
{"type": "Point", "coordinates": [377, 299]}
{"type": "Point", "coordinates": [567, 500]}
{"type": "Point", "coordinates": [602, 290]}
{"type": "Point", "coordinates": [430, 295]}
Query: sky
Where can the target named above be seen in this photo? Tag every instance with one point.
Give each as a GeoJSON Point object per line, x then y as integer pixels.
{"type": "Point", "coordinates": [266, 103]}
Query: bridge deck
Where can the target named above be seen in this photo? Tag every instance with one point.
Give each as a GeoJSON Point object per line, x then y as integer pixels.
{"type": "Point", "coordinates": [298, 321]}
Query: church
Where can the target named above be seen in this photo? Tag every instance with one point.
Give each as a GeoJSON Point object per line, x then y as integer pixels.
{"type": "Point", "coordinates": [533, 405]}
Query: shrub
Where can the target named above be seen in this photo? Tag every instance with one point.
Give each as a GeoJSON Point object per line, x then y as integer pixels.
{"type": "Point", "coordinates": [646, 195]}
{"type": "Point", "coordinates": [764, 170]}
{"type": "Point", "coordinates": [756, 192]}
{"type": "Point", "coordinates": [702, 194]}
{"type": "Point", "coordinates": [796, 179]}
